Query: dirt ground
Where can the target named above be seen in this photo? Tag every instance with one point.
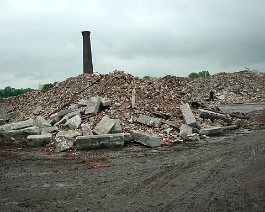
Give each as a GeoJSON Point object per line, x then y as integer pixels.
{"type": "Point", "coordinates": [225, 173]}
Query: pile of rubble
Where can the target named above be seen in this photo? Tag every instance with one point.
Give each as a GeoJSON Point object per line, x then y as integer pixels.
{"type": "Point", "coordinates": [108, 111]}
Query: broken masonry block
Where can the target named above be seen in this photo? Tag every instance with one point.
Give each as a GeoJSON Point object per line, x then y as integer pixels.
{"type": "Point", "coordinates": [213, 115]}
{"type": "Point", "coordinates": [188, 115]}
{"type": "Point", "coordinates": [104, 126]}
{"type": "Point", "coordinates": [146, 139]}
{"type": "Point", "coordinates": [38, 140]}
{"type": "Point", "coordinates": [93, 105]}
{"type": "Point", "coordinates": [99, 141]}
{"type": "Point", "coordinates": [149, 121]}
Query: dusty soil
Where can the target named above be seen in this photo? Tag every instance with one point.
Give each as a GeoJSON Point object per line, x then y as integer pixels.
{"type": "Point", "coordinates": [225, 173]}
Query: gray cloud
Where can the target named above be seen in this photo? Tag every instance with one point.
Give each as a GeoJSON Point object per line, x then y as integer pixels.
{"type": "Point", "coordinates": [41, 40]}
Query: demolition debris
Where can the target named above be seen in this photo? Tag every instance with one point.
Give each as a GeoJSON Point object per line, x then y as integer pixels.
{"type": "Point", "coordinates": [94, 111]}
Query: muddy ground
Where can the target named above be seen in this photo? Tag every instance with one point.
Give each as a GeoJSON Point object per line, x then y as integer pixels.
{"type": "Point", "coordinates": [223, 173]}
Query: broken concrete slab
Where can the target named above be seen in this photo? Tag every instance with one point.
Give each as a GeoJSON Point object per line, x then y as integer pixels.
{"type": "Point", "coordinates": [9, 116]}
{"type": "Point", "coordinates": [149, 121]}
{"type": "Point", "coordinates": [146, 139]}
{"type": "Point", "coordinates": [106, 102]}
{"type": "Point", "coordinates": [38, 140]}
{"type": "Point", "coordinates": [100, 141]}
{"type": "Point", "coordinates": [185, 131]}
{"type": "Point", "coordinates": [66, 117]}
{"type": "Point", "coordinates": [93, 105]}
{"type": "Point", "coordinates": [65, 140]}
{"type": "Point", "coordinates": [188, 115]}
{"type": "Point", "coordinates": [104, 126]}
{"type": "Point", "coordinates": [231, 127]}
{"type": "Point", "coordinates": [47, 130]}
{"type": "Point", "coordinates": [17, 125]}
{"type": "Point", "coordinates": [117, 127]}
{"type": "Point", "coordinates": [213, 115]}
{"type": "Point", "coordinates": [74, 122]}
{"type": "Point", "coordinates": [86, 129]}
{"type": "Point", "coordinates": [211, 131]}
{"type": "Point", "coordinates": [41, 122]}
{"type": "Point", "coordinates": [56, 117]}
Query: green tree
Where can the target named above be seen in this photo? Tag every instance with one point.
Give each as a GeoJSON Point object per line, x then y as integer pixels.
{"type": "Point", "coordinates": [194, 75]}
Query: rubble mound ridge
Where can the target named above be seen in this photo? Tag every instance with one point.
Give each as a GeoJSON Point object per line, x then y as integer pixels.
{"type": "Point", "coordinates": [152, 94]}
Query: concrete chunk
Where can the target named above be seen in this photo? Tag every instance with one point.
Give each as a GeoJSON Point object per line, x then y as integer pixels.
{"type": "Point", "coordinates": [86, 129]}
{"type": "Point", "coordinates": [105, 102]}
{"type": "Point", "coordinates": [38, 140]}
{"type": "Point", "coordinates": [67, 117]}
{"type": "Point", "coordinates": [93, 105]}
{"type": "Point", "coordinates": [149, 121]}
{"type": "Point", "coordinates": [47, 130]}
{"type": "Point", "coordinates": [56, 117]}
{"type": "Point", "coordinates": [100, 141]}
{"type": "Point", "coordinates": [17, 125]}
{"type": "Point", "coordinates": [211, 131]}
{"type": "Point", "coordinates": [41, 122]}
{"type": "Point", "coordinates": [213, 115]}
{"type": "Point", "coordinates": [185, 131]}
{"type": "Point", "coordinates": [188, 115]}
{"type": "Point", "coordinates": [74, 122]}
{"type": "Point", "coordinates": [146, 139]}
{"type": "Point", "coordinates": [104, 126]}
{"type": "Point", "coordinates": [65, 140]}
{"type": "Point", "coordinates": [9, 116]}
{"type": "Point", "coordinates": [117, 127]}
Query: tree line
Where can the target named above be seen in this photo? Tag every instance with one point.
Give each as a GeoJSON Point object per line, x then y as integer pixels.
{"type": "Point", "coordinates": [10, 92]}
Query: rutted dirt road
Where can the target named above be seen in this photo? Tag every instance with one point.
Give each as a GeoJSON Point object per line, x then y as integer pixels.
{"type": "Point", "coordinates": [224, 173]}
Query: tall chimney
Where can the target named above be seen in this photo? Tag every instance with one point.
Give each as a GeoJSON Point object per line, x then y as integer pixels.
{"type": "Point", "coordinates": [87, 55]}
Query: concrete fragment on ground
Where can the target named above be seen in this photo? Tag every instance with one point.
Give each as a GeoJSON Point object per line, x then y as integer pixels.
{"type": "Point", "coordinates": [93, 105]}
{"type": "Point", "coordinates": [117, 127]}
{"type": "Point", "coordinates": [9, 116]}
{"type": "Point", "coordinates": [213, 115]}
{"type": "Point", "coordinates": [41, 122]}
{"type": "Point", "coordinates": [211, 131]}
{"type": "Point", "coordinates": [188, 115]}
{"type": "Point", "coordinates": [100, 141]}
{"type": "Point", "coordinates": [86, 129]}
{"type": "Point", "coordinates": [146, 139]}
{"type": "Point", "coordinates": [56, 117]}
{"type": "Point", "coordinates": [65, 140]}
{"type": "Point", "coordinates": [38, 140]}
{"type": "Point", "coordinates": [46, 130]}
{"type": "Point", "coordinates": [185, 130]}
{"type": "Point", "coordinates": [17, 125]}
{"type": "Point", "coordinates": [74, 122]}
{"type": "Point", "coordinates": [149, 121]}
{"type": "Point", "coordinates": [104, 126]}
{"type": "Point", "coordinates": [66, 117]}
{"type": "Point", "coordinates": [231, 127]}
{"type": "Point", "coordinates": [106, 102]}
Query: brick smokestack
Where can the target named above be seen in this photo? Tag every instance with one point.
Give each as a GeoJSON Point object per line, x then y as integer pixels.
{"type": "Point", "coordinates": [87, 55]}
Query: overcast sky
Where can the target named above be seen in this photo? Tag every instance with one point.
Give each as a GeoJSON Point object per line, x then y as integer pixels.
{"type": "Point", "coordinates": [41, 41]}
